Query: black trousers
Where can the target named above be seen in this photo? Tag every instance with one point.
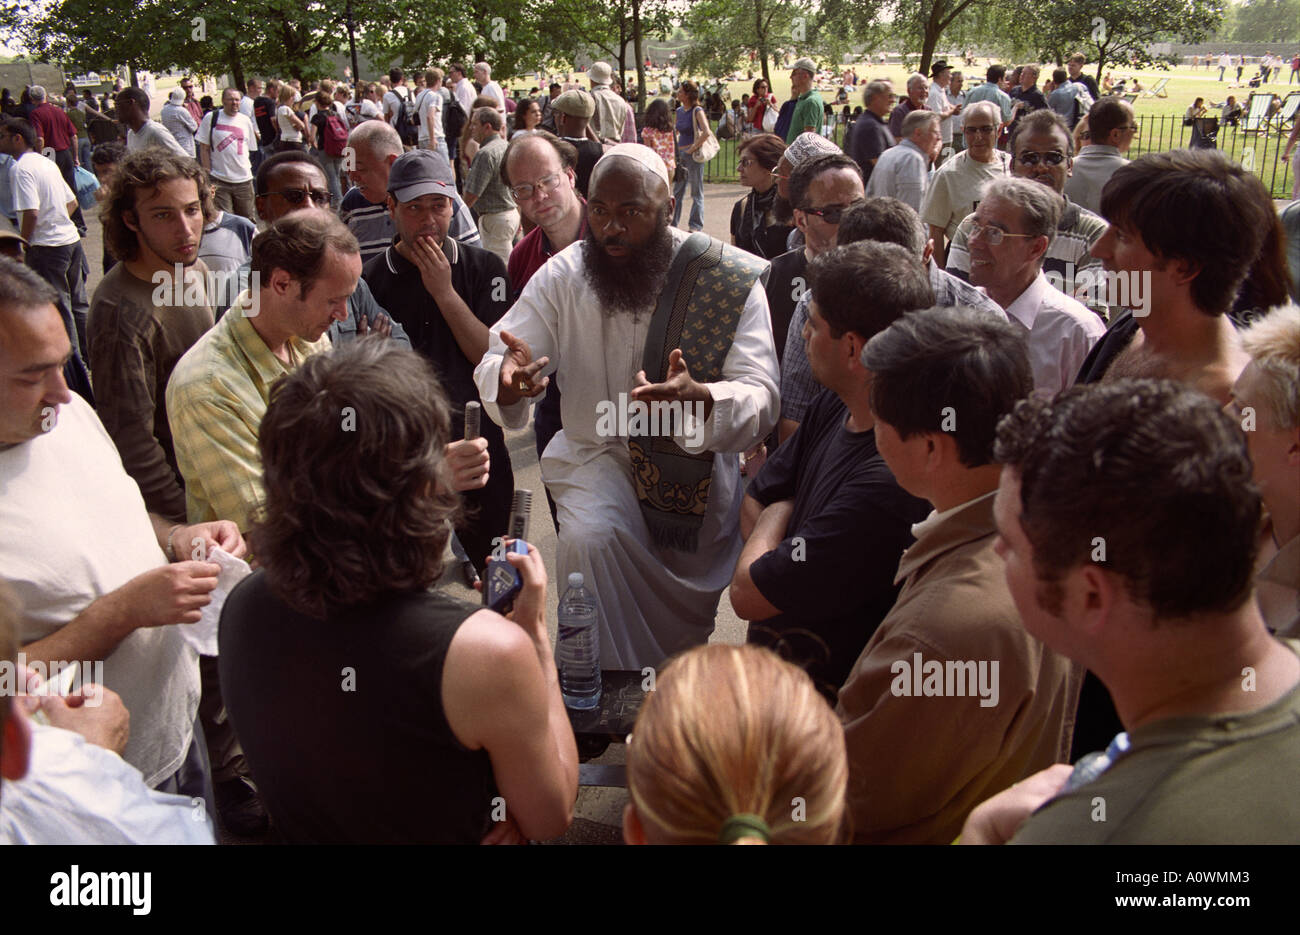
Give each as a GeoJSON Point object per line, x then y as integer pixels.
{"type": "Point", "coordinates": [63, 159]}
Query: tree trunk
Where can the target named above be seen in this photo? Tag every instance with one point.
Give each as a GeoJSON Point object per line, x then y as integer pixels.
{"type": "Point", "coordinates": [236, 68]}
{"type": "Point", "coordinates": [761, 36]}
{"type": "Point", "coordinates": [622, 48]}
{"type": "Point", "coordinates": [933, 28]}
{"type": "Point", "coordinates": [640, 55]}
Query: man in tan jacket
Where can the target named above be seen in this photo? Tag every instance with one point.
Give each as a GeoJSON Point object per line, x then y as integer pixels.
{"type": "Point", "coordinates": [951, 699]}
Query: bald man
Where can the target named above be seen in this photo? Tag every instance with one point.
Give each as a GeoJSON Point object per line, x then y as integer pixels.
{"type": "Point", "coordinates": [645, 472]}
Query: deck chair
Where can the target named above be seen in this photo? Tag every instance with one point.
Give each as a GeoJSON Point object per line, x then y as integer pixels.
{"type": "Point", "coordinates": [1283, 119]}
{"type": "Point", "coordinates": [1158, 89]}
{"type": "Point", "coordinates": [1256, 115]}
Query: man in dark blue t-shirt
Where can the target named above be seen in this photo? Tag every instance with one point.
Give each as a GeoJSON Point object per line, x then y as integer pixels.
{"type": "Point", "coordinates": [825, 522]}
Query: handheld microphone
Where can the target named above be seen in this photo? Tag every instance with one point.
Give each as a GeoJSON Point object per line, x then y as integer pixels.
{"type": "Point", "coordinates": [521, 508]}
{"type": "Point", "coordinates": [502, 581]}
{"type": "Point", "coordinates": [473, 413]}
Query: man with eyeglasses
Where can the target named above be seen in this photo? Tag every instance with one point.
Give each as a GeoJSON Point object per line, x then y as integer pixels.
{"type": "Point", "coordinates": [871, 136]}
{"type": "Point", "coordinates": [292, 181]}
{"type": "Point", "coordinates": [1014, 224]}
{"type": "Point", "coordinates": [191, 103]}
{"type": "Point", "coordinates": [903, 172]}
{"type": "Point", "coordinates": [1040, 151]}
{"type": "Point", "coordinates": [822, 189]}
{"type": "Point", "coordinates": [539, 168]}
{"type": "Point", "coordinates": [1112, 128]}
{"type": "Point", "coordinates": [954, 191]}
{"type": "Point", "coordinates": [447, 294]}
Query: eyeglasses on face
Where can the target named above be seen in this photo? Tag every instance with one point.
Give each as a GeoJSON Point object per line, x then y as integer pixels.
{"type": "Point", "coordinates": [296, 196]}
{"type": "Point", "coordinates": [992, 235]}
{"type": "Point", "coordinates": [544, 185]}
{"type": "Point", "coordinates": [777, 175]}
{"type": "Point", "coordinates": [831, 214]}
{"type": "Point", "coordinates": [980, 130]}
{"type": "Point", "coordinates": [1053, 158]}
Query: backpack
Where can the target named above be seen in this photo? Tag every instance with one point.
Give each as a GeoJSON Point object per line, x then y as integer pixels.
{"type": "Point", "coordinates": [335, 134]}
{"type": "Point", "coordinates": [408, 120]}
{"type": "Point", "coordinates": [454, 118]}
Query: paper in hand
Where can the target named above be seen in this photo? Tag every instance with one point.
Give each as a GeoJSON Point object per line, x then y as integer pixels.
{"type": "Point", "coordinates": [203, 635]}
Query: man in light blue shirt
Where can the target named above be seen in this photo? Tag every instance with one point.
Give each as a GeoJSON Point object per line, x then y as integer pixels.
{"type": "Point", "coordinates": [989, 91]}
{"type": "Point", "coordinates": [903, 172]}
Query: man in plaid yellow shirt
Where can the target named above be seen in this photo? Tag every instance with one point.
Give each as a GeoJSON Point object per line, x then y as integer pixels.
{"type": "Point", "coordinates": [304, 269]}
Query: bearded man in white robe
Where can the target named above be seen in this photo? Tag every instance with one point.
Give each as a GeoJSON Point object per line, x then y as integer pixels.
{"type": "Point", "coordinates": [646, 471]}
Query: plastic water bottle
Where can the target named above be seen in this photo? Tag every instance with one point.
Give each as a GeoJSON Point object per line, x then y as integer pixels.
{"type": "Point", "coordinates": [577, 647]}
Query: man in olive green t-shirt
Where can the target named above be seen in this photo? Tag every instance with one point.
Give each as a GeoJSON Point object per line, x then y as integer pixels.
{"type": "Point", "coordinates": [809, 110]}
{"type": "Point", "coordinates": [1129, 532]}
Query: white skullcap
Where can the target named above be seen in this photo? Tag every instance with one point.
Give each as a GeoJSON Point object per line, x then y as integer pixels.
{"type": "Point", "coordinates": [638, 153]}
{"type": "Point", "coordinates": [808, 146]}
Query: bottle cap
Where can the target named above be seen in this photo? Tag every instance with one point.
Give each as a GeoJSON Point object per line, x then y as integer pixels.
{"type": "Point", "coordinates": [575, 579]}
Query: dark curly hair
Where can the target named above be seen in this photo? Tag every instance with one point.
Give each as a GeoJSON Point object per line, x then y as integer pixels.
{"type": "Point", "coordinates": [1154, 470]}
{"type": "Point", "coordinates": [146, 168]}
{"type": "Point", "coordinates": [358, 500]}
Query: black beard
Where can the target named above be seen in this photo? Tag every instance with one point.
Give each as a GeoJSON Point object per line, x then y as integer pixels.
{"type": "Point", "coordinates": [782, 210]}
{"type": "Point", "coordinates": [633, 285]}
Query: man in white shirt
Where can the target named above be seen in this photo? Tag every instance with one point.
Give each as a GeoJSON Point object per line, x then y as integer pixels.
{"type": "Point", "coordinates": [428, 104]}
{"type": "Point", "coordinates": [226, 139]}
{"type": "Point", "coordinates": [44, 205]}
{"type": "Point", "coordinates": [903, 171]}
{"type": "Point", "coordinates": [941, 104]}
{"type": "Point", "coordinates": [461, 87]}
{"type": "Point", "coordinates": [393, 99]}
{"type": "Point", "coordinates": [1014, 224]}
{"type": "Point", "coordinates": [586, 315]}
{"type": "Point", "coordinates": [483, 75]}
{"type": "Point", "coordinates": [100, 579]}
{"type": "Point", "coordinates": [63, 780]}
{"type": "Point", "coordinates": [133, 113]}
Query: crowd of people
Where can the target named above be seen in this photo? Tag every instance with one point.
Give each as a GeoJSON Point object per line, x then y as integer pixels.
{"type": "Point", "coordinates": [991, 439]}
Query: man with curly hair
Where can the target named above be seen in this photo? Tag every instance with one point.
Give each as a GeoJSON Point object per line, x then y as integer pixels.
{"type": "Point", "coordinates": [148, 311]}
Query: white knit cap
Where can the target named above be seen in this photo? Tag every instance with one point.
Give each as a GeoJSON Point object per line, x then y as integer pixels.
{"type": "Point", "coordinates": [638, 153]}
{"type": "Point", "coordinates": [808, 146]}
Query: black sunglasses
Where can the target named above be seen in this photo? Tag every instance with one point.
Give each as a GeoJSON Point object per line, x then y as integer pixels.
{"type": "Point", "coordinates": [1032, 159]}
{"type": "Point", "coordinates": [831, 214]}
{"type": "Point", "coordinates": [296, 196]}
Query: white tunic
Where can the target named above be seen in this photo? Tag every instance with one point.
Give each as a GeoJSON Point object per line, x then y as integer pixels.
{"type": "Point", "coordinates": [654, 602]}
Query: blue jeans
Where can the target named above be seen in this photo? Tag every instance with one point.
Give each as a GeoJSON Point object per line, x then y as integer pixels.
{"type": "Point", "coordinates": [65, 268]}
{"type": "Point", "coordinates": [333, 165]}
{"type": "Point", "coordinates": [695, 175]}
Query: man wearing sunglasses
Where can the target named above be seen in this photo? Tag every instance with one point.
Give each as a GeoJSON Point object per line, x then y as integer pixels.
{"type": "Point", "coordinates": [1013, 226]}
{"type": "Point", "coordinates": [292, 181]}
